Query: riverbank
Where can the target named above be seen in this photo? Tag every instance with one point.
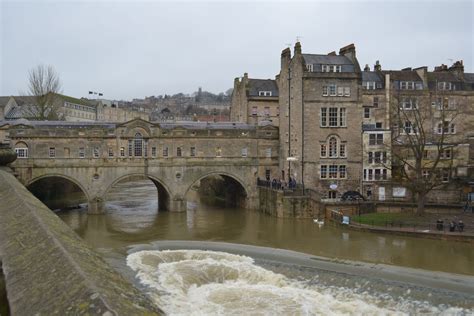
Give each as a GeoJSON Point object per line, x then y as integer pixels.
{"type": "Point", "coordinates": [403, 224]}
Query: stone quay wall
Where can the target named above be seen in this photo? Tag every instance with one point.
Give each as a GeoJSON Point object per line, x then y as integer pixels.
{"type": "Point", "coordinates": [49, 270]}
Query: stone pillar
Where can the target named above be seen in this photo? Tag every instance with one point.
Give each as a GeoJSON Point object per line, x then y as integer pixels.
{"type": "Point", "coordinates": [96, 206]}
{"type": "Point", "coordinates": [178, 204]}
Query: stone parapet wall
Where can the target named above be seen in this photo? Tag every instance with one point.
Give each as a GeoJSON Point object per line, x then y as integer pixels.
{"type": "Point", "coordinates": [49, 270]}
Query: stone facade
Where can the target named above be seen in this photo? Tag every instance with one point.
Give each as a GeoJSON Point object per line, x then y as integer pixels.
{"type": "Point", "coordinates": [174, 156]}
{"type": "Point", "coordinates": [255, 101]}
{"type": "Point", "coordinates": [339, 125]}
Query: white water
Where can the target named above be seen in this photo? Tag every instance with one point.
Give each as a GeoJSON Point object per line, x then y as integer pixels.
{"type": "Point", "coordinates": [198, 282]}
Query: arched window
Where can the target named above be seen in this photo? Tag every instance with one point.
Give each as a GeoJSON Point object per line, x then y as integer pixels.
{"type": "Point", "coordinates": [333, 147]}
{"type": "Point", "coordinates": [138, 145]}
{"type": "Point", "coordinates": [21, 150]}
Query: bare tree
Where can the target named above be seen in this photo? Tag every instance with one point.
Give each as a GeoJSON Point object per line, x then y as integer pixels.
{"type": "Point", "coordinates": [43, 86]}
{"type": "Point", "coordinates": [422, 148]}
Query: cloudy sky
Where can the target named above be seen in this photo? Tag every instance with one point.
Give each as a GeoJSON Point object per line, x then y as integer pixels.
{"type": "Point", "coordinates": [133, 49]}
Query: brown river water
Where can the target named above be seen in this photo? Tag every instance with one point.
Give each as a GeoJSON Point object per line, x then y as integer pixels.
{"type": "Point", "coordinates": [220, 261]}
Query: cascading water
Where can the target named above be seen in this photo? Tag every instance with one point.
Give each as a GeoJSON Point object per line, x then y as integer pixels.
{"type": "Point", "coordinates": [203, 282]}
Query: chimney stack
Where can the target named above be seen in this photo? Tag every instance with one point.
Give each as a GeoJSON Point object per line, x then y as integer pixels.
{"type": "Point", "coordinates": [377, 66]}
{"type": "Point", "coordinates": [297, 48]}
{"type": "Point", "coordinates": [366, 68]}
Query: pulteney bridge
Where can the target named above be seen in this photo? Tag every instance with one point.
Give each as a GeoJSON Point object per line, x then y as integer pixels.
{"type": "Point", "coordinates": [175, 156]}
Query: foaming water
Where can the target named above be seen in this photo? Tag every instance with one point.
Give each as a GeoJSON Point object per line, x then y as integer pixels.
{"type": "Point", "coordinates": [203, 282]}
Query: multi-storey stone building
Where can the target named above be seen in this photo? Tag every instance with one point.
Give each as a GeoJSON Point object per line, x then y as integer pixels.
{"type": "Point", "coordinates": [341, 128]}
{"type": "Point", "coordinates": [255, 101]}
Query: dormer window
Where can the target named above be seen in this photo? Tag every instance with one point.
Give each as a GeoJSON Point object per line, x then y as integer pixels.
{"type": "Point", "coordinates": [370, 85]}
{"type": "Point", "coordinates": [264, 93]}
{"type": "Point", "coordinates": [445, 86]}
{"type": "Point", "coordinates": [309, 67]}
{"type": "Point", "coordinates": [331, 68]}
{"type": "Point", "coordinates": [407, 85]}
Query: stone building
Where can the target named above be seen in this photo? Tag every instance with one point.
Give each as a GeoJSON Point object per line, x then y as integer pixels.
{"type": "Point", "coordinates": [255, 101]}
{"type": "Point", "coordinates": [320, 121]}
{"type": "Point", "coordinates": [69, 109]}
{"type": "Point", "coordinates": [341, 128]}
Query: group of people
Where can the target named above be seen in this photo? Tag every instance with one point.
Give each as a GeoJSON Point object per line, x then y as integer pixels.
{"type": "Point", "coordinates": [278, 184]}
{"type": "Point", "coordinates": [452, 225]}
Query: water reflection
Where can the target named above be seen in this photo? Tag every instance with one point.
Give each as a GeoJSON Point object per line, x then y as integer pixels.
{"type": "Point", "coordinates": [132, 217]}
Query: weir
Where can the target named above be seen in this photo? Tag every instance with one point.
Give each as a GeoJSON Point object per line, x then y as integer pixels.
{"type": "Point", "coordinates": [49, 270]}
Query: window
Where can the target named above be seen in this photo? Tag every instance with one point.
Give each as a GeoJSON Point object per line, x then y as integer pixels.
{"type": "Point", "coordinates": [340, 91]}
{"type": "Point", "coordinates": [254, 111]}
{"type": "Point", "coordinates": [342, 171]}
{"type": "Point", "coordinates": [130, 148]}
{"type": "Point", "coordinates": [244, 152]}
{"type": "Point", "coordinates": [375, 103]}
{"type": "Point", "coordinates": [371, 174]}
{"type": "Point", "coordinates": [332, 172]}
{"type": "Point", "coordinates": [323, 150]}
{"type": "Point", "coordinates": [377, 157]}
{"type": "Point", "coordinates": [409, 128]}
{"type": "Point", "coordinates": [21, 152]}
{"type": "Point", "coordinates": [218, 152]}
{"type": "Point", "coordinates": [325, 91]}
{"type": "Point", "coordinates": [378, 124]}
{"type": "Point", "coordinates": [375, 139]}
{"type": "Point", "coordinates": [371, 157]}
{"type": "Point", "coordinates": [407, 85]}
{"type": "Point", "coordinates": [370, 85]}
{"type": "Point", "coordinates": [193, 152]}
{"type": "Point", "coordinates": [178, 152]}
{"type": "Point", "coordinates": [332, 147]}
{"type": "Point", "coordinates": [332, 117]}
{"type": "Point", "coordinates": [268, 152]}
{"type": "Point", "coordinates": [409, 103]}
{"type": "Point", "coordinates": [153, 151]}
{"type": "Point", "coordinates": [342, 117]}
{"type": "Point", "coordinates": [446, 128]}
{"type": "Point", "coordinates": [332, 194]}
{"type": "Point", "coordinates": [165, 151]}
{"type": "Point", "coordinates": [82, 152]}
{"type": "Point", "coordinates": [446, 153]}
{"type": "Point", "coordinates": [347, 91]}
{"type": "Point", "coordinates": [425, 173]}
{"type": "Point", "coordinates": [264, 93]}
{"type": "Point", "coordinates": [366, 113]}
{"type": "Point", "coordinates": [332, 90]}
{"type": "Point", "coordinates": [266, 111]}
{"type": "Point", "coordinates": [324, 171]}
{"type": "Point", "coordinates": [122, 151]}
{"type": "Point", "coordinates": [324, 68]}
{"type": "Point", "coordinates": [444, 85]}
{"type": "Point", "coordinates": [342, 150]}
{"type": "Point", "coordinates": [111, 152]}
{"type": "Point", "coordinates": [323, 117]}
{"type": "Point", "coordinates": [52, 152]}
{"type": "Point", "coordinates": [95, 152]}
{"type": "Point", "coordinates": [309, 67]}
{"type": "Point", "coordinates": [138, 145]}
{"type": "Point", "coordinates": [445, 175]}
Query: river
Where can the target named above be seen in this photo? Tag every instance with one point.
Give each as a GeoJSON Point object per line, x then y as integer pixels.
{"type": "Point", "coordinates": [211, 261]}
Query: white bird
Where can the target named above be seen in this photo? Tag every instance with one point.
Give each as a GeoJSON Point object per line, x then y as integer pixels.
{"type": "Point", "coordinates": [319, 222]}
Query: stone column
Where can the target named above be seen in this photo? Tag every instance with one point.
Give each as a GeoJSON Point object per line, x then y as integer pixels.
{"type": "Point", "coordinates": [96, 206]}
{"type": "Point", "coordinates": [178, 204]}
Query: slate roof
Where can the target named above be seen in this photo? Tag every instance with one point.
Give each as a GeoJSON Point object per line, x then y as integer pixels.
{"type": "Point", "coordinates": [326, 59]}
{"type": "Point", "coordinates": [256, 85]}
{"type": "Point", "coordinates": [4, 101]}
{"type": "Point", "coordinates": [372, 76]}
{"type": "Point", "coordinates": [184, 124]}
{"type": "Point", "coordinates": [468, 77]}
{"type": "Point", "coordinates": [402, 75]}
{"type": "Point", "coordinates": [440, 76]}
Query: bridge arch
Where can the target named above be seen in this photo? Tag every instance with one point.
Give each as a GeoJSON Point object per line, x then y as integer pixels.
{"type": "Point", "coordinates": [164, 192]}
{"type": "Point", "coordinates": [72, 180]}
{"type": "Point", "coordinates": [227, 176]}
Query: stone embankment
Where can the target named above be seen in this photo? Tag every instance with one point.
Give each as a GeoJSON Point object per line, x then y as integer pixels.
{"type": "Point", "coordinates": [49, 270]}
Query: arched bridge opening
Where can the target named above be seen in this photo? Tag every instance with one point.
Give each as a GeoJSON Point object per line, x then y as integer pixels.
{"type": "Point", "coordinates": [58, 192]}
{"type": "Point", "coordinates": [138, 192]}
{"type": "Point", "coordinates": [220, 190]}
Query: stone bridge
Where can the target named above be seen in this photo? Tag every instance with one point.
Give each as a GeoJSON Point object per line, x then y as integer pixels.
{"type": "Point", "coordinates": [96, 156]}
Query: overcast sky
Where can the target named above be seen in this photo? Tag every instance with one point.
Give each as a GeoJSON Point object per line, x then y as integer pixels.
{"type": "Point", "coordinates": [128, 49]}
